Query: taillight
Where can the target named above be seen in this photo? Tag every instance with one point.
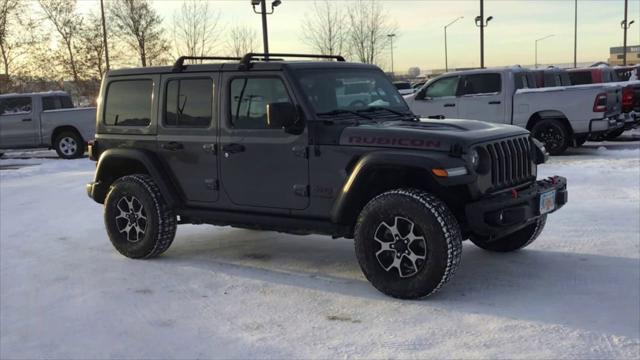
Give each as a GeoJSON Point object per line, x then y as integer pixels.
{"type": "Point", "coordinates": [627, 99]}
{"type": "Point", "coordinates": [600, 105]}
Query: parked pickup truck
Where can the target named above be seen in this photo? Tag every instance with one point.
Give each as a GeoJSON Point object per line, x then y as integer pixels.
{"type": "Point", "coordinates": [623, 76]}
{"type": "Point", "coordinates": [45, 120]}
{"type": "Point", "coordinates": [556, 116]}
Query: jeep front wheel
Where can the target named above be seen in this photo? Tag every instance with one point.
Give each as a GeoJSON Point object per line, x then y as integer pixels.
{"type": "Point", "coordinates": [514, 241]}
{"type": "Point", "coordinates": [408, 243]}
{"type": "Point", "coordinates": [137, 218]}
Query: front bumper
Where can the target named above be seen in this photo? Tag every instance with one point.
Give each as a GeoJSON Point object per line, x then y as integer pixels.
{"type": "Point", "coordinates": [504, 213]}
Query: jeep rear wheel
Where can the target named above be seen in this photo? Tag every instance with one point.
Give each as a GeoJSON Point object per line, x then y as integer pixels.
{"type": "Point", "coordinates": [553, 134]}
{"type": "Point", "coordinates": [512, 242]}
{"type": "Point", "coordinates": [69, 145]}
{"type": "Point", "coordinates": [408, 243]}
{"type": "Point", "coordinates": [137, 218]}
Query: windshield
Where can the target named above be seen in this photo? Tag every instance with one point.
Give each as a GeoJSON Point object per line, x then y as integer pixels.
{"type": "Point", "coordinates": [331, 91]}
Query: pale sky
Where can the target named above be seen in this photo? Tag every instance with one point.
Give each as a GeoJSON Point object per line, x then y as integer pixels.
{"type": "Point", "coordinates": [509, 38]}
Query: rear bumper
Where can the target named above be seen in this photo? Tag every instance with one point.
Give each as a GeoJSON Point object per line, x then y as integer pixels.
{"type": "Point", "coordinates": [631, 120]}
{"type": "Point", "coordinates": [606, 125]}
{"type": "Point", "coordinates": [507, 212]}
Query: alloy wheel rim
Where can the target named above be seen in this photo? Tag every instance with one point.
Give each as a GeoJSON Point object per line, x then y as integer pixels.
{"type": "Point", "coordinates": [131, 219]}
{"type": "Point", "coordinates": [68, 146]}
{"type": "Point", "coordinates": [402, 248]}
{"type": "Point", "coordinates": [551, 137]}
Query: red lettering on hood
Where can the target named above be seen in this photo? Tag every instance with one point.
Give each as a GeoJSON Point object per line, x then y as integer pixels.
{"type": "Point", "coordinates": [385, 140]}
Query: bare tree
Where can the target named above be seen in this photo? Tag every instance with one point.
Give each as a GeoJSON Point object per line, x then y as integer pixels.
{"type": "Point", "coordinates": [196, 28]}
{"type": "Point", "coordinates": [324, 30]}
{"type": "Point", "coordinates": [62, 14]}
{"type": "Point", "coordinates": [92, 47]}
{"type": "Point", "coordinates": [241, 40]}
{"type": "Point", "coordinates": [368, 30]}
{"type": "Point", "coordinates": [137, 24]}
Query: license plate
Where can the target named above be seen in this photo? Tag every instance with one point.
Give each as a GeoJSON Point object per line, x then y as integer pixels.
{"type": "Point", "coordinates": [547, 202]}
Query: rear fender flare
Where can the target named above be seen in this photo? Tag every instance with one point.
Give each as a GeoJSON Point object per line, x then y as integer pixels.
{"type": "Point", "coordinates": [143, 160]}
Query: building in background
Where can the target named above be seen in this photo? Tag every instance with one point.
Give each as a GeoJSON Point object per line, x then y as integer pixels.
{"type": "Point", "coordinates": [633, 55]}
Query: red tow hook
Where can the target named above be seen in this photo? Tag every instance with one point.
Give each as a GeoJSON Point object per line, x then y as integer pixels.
{"type": "Point", "coordinates": [514, 193]}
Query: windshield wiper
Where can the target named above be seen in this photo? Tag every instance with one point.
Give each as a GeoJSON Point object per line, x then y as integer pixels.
{"type": "Point", "coordinates": [399, 113]}
{"type": "Point", "coordinates": [343, 111]}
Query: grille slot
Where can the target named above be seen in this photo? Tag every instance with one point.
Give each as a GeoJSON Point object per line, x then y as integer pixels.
{"type": "Point", "coordinates": [510, 162]}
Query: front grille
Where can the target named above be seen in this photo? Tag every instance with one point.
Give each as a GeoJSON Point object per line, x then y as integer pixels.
{"type": "Point", "coordinates": [511, 162]}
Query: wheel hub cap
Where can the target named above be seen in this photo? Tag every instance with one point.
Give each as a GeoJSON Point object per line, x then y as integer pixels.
{"type": "Point", "coordinates": [131, 219]}
{"type": "Point", "coordinates": [68, 146]}
{"type": "Point", "coordinates": [401, 248]}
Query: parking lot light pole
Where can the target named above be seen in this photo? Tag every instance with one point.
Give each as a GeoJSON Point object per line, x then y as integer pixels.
{"type": "Point", "coordinates": [481, 23]}
{"type": "Point", "coordinates": [546, 37]}
{"type": "Point", "coordinates": [391, 36]}
{"type": "Point", "coordinates": [263, 12]}
{"type": "Point", "coordinates": [446, 60]}
{"type": "Point", "coordinates": [625, 26]}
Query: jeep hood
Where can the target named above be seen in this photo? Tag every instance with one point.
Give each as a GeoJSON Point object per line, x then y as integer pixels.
{"type": "Point", "coordinates": [438, 135]}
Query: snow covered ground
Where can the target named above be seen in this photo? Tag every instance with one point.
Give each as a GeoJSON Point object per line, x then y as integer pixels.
{"type": "Point", "coordinates": [230, 293]}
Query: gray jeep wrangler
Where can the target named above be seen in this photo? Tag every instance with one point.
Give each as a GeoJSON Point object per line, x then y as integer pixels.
{"type": "Point", "coordinates": [302, 147]}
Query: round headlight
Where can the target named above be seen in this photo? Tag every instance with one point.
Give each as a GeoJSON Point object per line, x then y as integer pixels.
{"type": "Point", "coordinates": [474, 158]}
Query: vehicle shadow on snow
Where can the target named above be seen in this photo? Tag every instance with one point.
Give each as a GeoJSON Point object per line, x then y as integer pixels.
{"type": "Point", "coordinates": [589, 292]}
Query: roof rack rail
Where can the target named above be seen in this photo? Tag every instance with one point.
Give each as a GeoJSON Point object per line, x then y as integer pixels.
{"type": "Point", "coordinates": [246, 59]}
{"type": "Point", "coordinates": [179, 64]}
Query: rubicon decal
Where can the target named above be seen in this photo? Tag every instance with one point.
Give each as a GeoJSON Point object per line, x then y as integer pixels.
{"type": "Point", "coordinates": [393, 141]}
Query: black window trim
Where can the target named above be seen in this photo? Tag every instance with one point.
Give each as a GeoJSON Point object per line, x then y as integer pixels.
{"type": "Point", "coordinates": [105, 101]}
{"type": "Point", "coordinates": [228, 120]}
{"type": "Point", "coordinates": [163, 110]}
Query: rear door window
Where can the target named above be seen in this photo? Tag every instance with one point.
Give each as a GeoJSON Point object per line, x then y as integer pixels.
{"type": "Point", "coordinates": [15, 106]}
{"type": "Point", "coordinates": [580, 77]}
{"type": "Point", "coordinates": [481, 84]}
{"type": "Point", "coordinates": [56, 102]}
{"type": "Point", "coordinates": [128, 103]}
{"type": "Point", "coordinates": [189, 103]}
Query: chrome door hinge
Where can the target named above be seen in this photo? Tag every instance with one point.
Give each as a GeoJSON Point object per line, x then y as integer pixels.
{"type": "Point", "coordinates": [210, 148]}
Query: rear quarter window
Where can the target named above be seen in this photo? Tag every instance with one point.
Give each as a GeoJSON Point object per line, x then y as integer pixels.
{"type": "Point", "coordinates": [128, 103]}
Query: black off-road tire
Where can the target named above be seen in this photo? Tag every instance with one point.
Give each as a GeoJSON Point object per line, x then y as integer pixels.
{"type": "Point", "coordinates": [160, 224]}
{"type": "Point", "coordinates": [69, 145]}
{"type": "Point", "coordinates": [432, 220]}
{"type": "Point", "coordinates": [553, 134]}
{"type": "Point", "coordinates": [515, 241]}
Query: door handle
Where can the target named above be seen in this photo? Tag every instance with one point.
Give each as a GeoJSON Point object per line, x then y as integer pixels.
{"type": "Point", "coordinates": [449, 105]}
{"type": "Point", "coordinates": [173, 146]}
{"type": "Point", "coordinates": [233, 148]}
{"type": "Point", "coordinates": [495, 102]}
{"type": "Point", "coordinates": [27, 119]}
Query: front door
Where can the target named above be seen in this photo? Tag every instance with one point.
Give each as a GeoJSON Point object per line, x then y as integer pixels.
{"type": "Point", "coordinates": [187, 134]}
{"type": "Point", "coordinates": [261, 166]}
{"type": "Point", "coordinates": [438, 100]}
{"type": "Point", "coordinates": [18, 124]}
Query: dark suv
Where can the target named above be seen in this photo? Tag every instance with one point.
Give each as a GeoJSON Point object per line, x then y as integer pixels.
{"type": "Point", "coordinates": [293, 147]}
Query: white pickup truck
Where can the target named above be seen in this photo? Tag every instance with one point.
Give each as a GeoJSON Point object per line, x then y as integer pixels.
{"type": "Point", "coordinates": [45, 120]}
{"type": "Point", "coordinates": [557, 116]}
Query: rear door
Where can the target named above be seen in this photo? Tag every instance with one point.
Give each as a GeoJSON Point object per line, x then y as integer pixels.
{"type": "Point", "coordinates": [187, 134]}
{"type": "Point", "coordinates": [261, 166]}
{"type": "Point", "coordinates": [438, 100]}
{"type": "Point", "coordinates": [481, 98]}
{"type": "Point", "coordinates": [18, 122]}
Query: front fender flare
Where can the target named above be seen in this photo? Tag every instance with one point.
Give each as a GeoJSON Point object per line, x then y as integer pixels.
{"type": "Point", "coordinates": [347, 201]}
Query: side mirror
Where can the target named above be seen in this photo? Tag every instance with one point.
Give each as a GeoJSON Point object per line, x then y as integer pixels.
{"type": "Point", "coordinates": [283, 115]}
{"type": "Point", "coordinates": [421, 95]}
